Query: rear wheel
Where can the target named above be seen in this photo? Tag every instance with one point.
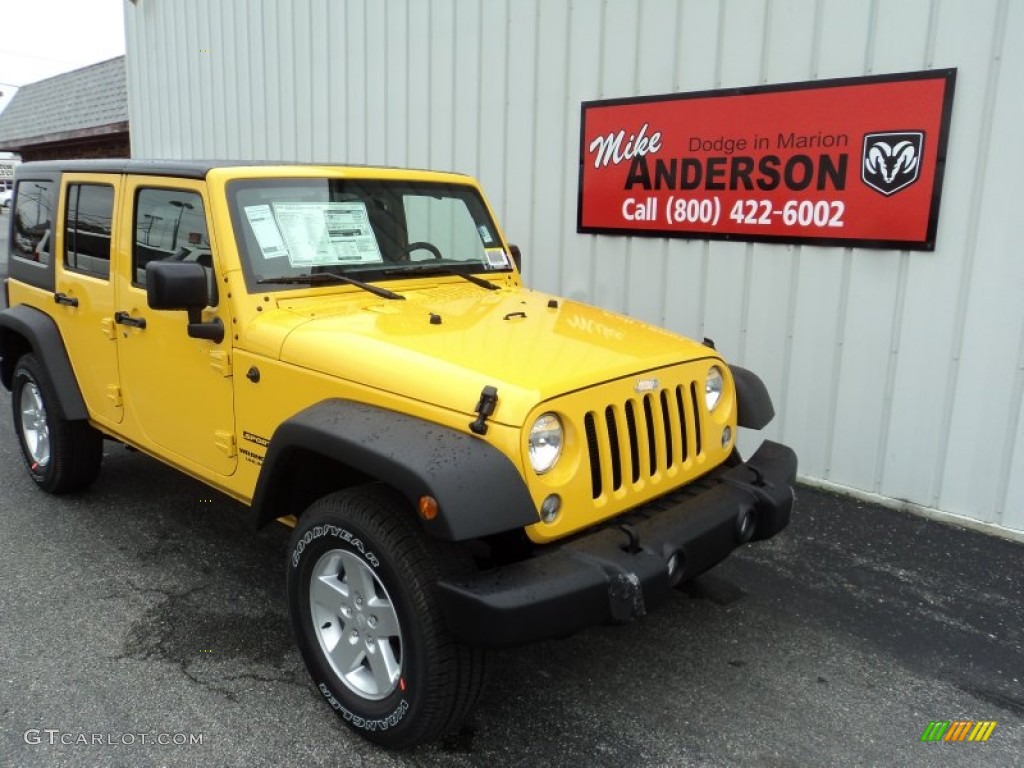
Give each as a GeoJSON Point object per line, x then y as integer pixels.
{"type": "Point", "coordinates": [362, 579]}
{"type": "Point", "coordinates": [61, 455]}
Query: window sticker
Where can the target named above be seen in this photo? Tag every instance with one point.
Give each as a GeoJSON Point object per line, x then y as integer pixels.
{"type": "Point", "coordinates": [485, 234]}
{"type": "Point", "coordinates": [496, 258]}
{"type": "Point", "coordinates": [268, 236]}
{"type": "Point", "coordinates": [325, 234]}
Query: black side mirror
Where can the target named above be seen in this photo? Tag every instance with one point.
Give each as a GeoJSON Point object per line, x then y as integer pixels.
{"type": "Point", "coordinates": [183, 285]}
{"type": "Point", "coordinates": [517, 256]}
{"type": "Point", "coordinates": [176, 285]}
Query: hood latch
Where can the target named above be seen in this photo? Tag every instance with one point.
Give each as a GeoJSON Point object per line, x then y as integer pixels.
{"type": "Point", "coordinates": [486, 406]}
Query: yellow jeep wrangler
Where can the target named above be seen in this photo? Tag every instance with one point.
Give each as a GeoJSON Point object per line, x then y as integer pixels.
{"type": "Point", "coordinates": [466, 463]}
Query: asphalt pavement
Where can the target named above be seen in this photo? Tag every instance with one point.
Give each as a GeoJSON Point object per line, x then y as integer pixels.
{"type": "Point", "coordinates": [147, 610]}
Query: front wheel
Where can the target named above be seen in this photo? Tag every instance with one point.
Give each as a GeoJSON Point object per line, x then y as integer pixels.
{"type": "Point", "coordinates": [361, 585]}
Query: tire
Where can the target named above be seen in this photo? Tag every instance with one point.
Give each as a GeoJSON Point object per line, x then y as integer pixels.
{"type": "Point", "coordinates": [418, 683]}
{"type": "Point", "coordinates": [62, 456]}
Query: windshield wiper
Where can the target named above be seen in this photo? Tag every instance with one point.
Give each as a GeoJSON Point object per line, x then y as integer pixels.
{"type": "Point", "coordinates": [331, 277]}
{"type": "Point", "coordinates": [428, 270]}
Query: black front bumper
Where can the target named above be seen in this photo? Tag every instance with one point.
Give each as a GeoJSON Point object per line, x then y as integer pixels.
{"type": "Point", "coordinates": [620, 571]}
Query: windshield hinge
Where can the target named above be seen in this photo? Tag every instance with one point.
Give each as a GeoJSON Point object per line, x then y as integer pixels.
{"type": "Point", "coordinates": [484, 408]}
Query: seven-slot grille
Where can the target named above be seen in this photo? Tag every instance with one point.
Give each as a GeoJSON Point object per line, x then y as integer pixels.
{"type": "Point", "coordinates": [643, 436]}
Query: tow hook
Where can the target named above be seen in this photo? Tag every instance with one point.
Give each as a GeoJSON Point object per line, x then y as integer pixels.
{"type": "Point", "coordinates": [634, 539]}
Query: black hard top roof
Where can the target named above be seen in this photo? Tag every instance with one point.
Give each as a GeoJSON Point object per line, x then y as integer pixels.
{"type": "Point", "coordinates": [191, 169]}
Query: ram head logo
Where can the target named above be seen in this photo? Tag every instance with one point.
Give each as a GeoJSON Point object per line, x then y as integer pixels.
{"type": "Point", "coordinates": [891, 160]}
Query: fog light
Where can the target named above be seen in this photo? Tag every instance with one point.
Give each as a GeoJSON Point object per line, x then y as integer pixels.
{"type": "Point", "coordinates": [726, 437]}
{"type": "Point", "coordinates": [675, 570]}
{"type": "Point", "coordinates": [549, 508]}
{"type": "Point", "coordinates": [745, 526]}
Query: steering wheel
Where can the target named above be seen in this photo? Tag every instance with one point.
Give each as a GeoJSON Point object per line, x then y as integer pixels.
{"type": "Point", "coordinates": [423, 245]}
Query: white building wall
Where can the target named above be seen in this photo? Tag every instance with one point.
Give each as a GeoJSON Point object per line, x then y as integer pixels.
{"type": "Point", "coordinates": [899, 374]}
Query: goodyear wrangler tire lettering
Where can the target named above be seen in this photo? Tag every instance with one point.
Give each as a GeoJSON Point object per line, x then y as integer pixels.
{"type": "Point", "coordinates": [331, 530]}
{"type": "Point", "coordinates": [361, 722]}
{"type": "Point", "coordinates": [362, 595]}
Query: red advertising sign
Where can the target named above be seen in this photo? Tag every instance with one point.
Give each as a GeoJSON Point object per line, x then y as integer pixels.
{"type": "Point", "coordinates": [856, 161]}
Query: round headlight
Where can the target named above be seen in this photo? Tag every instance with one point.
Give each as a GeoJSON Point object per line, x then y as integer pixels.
{"type": "Point", "coordinates": [713, 388]}
{"type": "Point", "coordinates": [545, 442]}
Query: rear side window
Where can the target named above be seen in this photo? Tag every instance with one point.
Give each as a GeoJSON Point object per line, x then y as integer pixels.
{"type": "Point", "coordinates": [33, 221]}
{"type": "Point", "coordinates": [170, 224]}
{"type": "Point", "coordinates": [90, 213]}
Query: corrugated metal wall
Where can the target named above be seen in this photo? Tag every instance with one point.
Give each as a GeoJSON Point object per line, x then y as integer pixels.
{"type": "Point", "coordinates": [896, 373]}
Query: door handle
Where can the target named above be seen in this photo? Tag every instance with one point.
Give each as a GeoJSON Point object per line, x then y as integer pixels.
{"type": "Point", "coordinates": [67, 301]}
{"type": "Point", "coordinates": [123, 318]}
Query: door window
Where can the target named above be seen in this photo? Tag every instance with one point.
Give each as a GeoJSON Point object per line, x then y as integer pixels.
{"type": "Point", "coordinates": [90, 212]}
{"type": "Point", "coordinates": [170, 224]}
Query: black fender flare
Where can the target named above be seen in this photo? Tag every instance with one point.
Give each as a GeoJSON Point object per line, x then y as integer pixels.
{"type": "Point", "coordinates": [478, 489]}
{"type": "Point", "coordinates": [42, 334]}
{"type": "Point", "coordinates": [753, 403]}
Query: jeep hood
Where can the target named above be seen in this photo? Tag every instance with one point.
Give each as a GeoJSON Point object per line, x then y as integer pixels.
{"type": "Point", "coordinates": [444, 343]}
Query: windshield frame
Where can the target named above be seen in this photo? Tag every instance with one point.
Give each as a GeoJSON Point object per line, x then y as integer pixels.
{"type": "Point", "coordinates": [339, 187]}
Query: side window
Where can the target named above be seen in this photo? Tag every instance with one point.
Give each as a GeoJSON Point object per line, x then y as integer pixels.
{"type": "Point", "coordinates": [170, 224]}
{"type": "Point", "coordinates": [33, 221]}
{"type": "Point", "coordinates": [90, 213]}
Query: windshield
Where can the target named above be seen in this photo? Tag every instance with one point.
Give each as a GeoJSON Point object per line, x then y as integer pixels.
{"type": "Point", "coordinates": [367, 229]}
